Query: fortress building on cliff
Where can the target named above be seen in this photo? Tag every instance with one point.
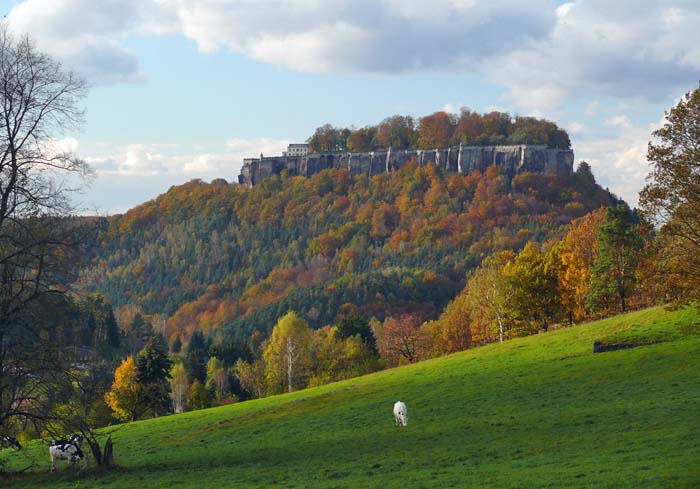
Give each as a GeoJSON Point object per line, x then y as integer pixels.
{"type": "Point", "coordinates": [462, 159]}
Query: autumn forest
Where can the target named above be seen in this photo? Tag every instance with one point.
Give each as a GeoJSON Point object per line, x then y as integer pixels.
{"type": "Point", "coordinates": [215, 293]}
{"type": "Point", "coordinates": [369, 272]}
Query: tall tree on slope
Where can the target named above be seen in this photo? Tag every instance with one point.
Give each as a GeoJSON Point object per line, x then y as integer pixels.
{"type": "Point", "coordinates": [288, 353]}
{"type": "Point", "coordinates": [619, 246]}
{"type": "Point", "coordinates": [153, 373]}
{"type": "Point", "coordinates": [38, 104]}
{"type": "Point", "coordinates": [671, 199]}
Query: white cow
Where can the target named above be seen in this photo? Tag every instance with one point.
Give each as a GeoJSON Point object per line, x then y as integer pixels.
{"type": "Point", "coordinates": [67, 450]}
{"type": "Point", "coordinates": [400, 414]}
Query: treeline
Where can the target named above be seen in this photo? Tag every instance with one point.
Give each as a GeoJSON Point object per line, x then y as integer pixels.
{"type": "Point", "coordinates": [228, 260]}
{"type": "Point", "coordinates": [293, 357]}
{"type": "Point", "coordinates": [600, 265]}
{"type": "Point", "coordinates": [82, 326]}
{"type": "Point", "coordinates": [441, 130]}
{"type": "Point", "coordinates": [154, 382]}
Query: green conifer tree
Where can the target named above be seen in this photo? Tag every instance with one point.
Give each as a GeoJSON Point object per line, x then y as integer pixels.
{"type": "Point", "coordinates": [196, 357]}
{"type": "Point", "coordinates": [619, 245]}
{"type": "Point", "coordinates": [153, 372]}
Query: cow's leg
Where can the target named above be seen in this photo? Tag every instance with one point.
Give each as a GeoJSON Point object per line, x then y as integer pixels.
{"type": "Point", "coordinates": [53, 463]}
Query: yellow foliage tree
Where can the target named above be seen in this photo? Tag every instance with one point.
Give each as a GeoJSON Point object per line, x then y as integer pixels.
{"type": "Point", "coordinates": [534, 278]}
{"type": "Point", "coordinates": [489, 294]}
{"type": "Point", "coordinates": [454, 326]}
{"type": "Point", "coordinates": [336, 358]}
{"type": "Point", "coordinates": [126, 397]}
{"type": "Point", "coordinates": [578, 251]}
{"type": "Point", "coordinates": [288, 353]}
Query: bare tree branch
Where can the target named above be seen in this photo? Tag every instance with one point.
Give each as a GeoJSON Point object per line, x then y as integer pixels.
{"type": "Point", "coordinates": [39, 103]}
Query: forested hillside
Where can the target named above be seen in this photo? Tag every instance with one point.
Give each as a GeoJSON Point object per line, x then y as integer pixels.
{"type": "Point", "coordinates": [227, 259]}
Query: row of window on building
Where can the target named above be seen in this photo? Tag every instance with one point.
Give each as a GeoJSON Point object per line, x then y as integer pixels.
{"type": "Point", "coordinates": [296, 149]}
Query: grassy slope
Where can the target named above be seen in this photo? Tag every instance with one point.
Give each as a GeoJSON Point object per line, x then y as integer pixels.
{"type": "Point", "coordinates": [537, 412]}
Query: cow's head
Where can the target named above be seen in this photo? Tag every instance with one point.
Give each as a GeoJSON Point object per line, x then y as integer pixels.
{"type": "Point", "coordinates": [11, 442]}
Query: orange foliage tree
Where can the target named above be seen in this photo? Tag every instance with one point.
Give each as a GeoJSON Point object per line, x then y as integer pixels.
{"type": "Point", "coordinates": [452, 331]}
{"type": "Point", "coordinates": [435, 131]}
{"type": "Point", "coordinates": [401, 338]}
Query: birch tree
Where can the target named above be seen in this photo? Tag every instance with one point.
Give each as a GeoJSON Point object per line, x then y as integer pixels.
{"type": "Point", "coordinates": [288, 353]}
{"type": "Point", "coordinates": [217, 379]}
{"type": "Point", "coordinates": [493, 291]}
{"type": "Point", "coordinates": [179, 385]}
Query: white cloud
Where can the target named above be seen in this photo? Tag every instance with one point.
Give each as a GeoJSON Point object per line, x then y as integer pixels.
{"type": "Point", "coordinates": [88, 36]}
{"type": "Point", "coordinates": [576, 128]}
{"type": "Point", "coordinates": [619, 162]}
{"type": "Point", "coordinates": [365, 36]}
{"type": "Point", "coordinates": [544, 53]}
{"type": "Point", "coordinates": [451, 109]}
{"type": "Point", "coordinates": [628, 48]}
{"type": "Point", "coordinates": [148, 160]}
{"type": "Point", "coordinates": [130, 175]}
{"type": "Point", "coordinates": [67, 145]}
{"type": "Point", "coordinates": [319, 36]}
{"type": "Point", "coordinates": [619, 121]}
{"type": "Point", "coordinates": [564, 9]}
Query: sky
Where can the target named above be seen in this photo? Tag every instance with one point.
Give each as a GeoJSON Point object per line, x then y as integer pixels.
{"type": "Point", "coordinates": [184, 89]}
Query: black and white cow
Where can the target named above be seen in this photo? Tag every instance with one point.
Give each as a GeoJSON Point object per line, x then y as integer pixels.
{"type": "Point", "coordinates": [67, 450]}
{"type": "Point", "coordinates": [10, 442]}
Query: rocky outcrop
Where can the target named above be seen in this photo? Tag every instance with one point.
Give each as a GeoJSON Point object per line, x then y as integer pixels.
{"type": "Point", "coordinates": [463, 159]}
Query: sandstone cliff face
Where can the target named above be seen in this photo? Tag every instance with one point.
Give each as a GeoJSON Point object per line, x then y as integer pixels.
{"type": "Point", "coordinates": [463, 159]}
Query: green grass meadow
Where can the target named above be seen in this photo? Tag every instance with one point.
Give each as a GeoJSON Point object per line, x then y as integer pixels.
{"type": "Point", "coordinates": [535, 412]}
